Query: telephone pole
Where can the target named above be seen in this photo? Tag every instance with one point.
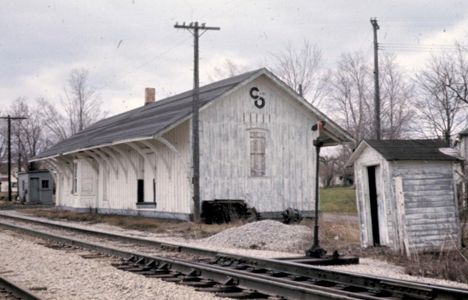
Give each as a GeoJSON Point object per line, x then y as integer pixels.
{"type": "Point", "coordinates": [9, 118]}
{"type": "Point", "coordinates": [376, 27]}
{"type": "Point", "coordinates": [195, 29]}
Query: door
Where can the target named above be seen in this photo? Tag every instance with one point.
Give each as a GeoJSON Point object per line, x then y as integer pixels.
{"type": "Point", "coordinates": [373, 204]}
{"type": "Point", "coordinates": [34, 190]}
{"type": "Point", "coordinates": [140, 191]}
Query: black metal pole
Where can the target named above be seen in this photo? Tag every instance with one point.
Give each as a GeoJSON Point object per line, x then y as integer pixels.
{"type": "Point", "coordinates": [317, 194]}
{"type": "Point", "coordinates": [316, 250]}
{"type": "Point", "coordinates": [9, 158]}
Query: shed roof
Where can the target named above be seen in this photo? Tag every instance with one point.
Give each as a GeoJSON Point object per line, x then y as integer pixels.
{"type": "Point", "coordinates": [155, 118]}
{"type": "Point", "coordinates": [393, 150]}
{"type": "Point", "coordinates": [411, 149]}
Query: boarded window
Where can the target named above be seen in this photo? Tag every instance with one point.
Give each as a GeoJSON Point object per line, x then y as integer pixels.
{"type": "Point", "coordinates": [75, 178]}
{"type": "Point", "coordinates": [257, 153]}
{"type": "Point", "coordinates": [45, 184]}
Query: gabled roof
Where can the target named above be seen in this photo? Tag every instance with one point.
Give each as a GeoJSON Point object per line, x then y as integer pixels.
{"type": "Point", "coordinates": [156, 118]}
{"type": "Point", "coordinates": [393, 150]}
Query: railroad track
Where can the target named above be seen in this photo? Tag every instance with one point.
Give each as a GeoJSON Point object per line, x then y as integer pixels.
{"type": "Point", "coordinates": [245, 277]}
{"type": "Point", "coordinates": [10, 290]}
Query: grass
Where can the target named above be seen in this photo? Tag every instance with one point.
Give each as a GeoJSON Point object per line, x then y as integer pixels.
{"type": "Point", "coordinates": [172, 227]}
{"type": "Point", "coordinates": [338, 200]}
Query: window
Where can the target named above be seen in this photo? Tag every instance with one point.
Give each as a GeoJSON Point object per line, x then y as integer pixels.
{"type": "Point", "coordinates": [257, 153]}
{"type": "Point", "coordinates": [75, 178]}
{"type": "Point", "coordinates": [154, 190]}
{"type": "Point", "coordinates": [45, 184]}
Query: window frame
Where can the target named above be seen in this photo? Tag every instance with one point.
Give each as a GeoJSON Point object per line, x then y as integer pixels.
{"type": "Point", "coordinates": [47, 184]}
{"type": "Point", "coordinates": [257, 138]}
{"type": "Point", "coordinates": [75, 178]}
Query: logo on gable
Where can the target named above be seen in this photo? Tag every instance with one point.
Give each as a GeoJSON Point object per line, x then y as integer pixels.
{"type": "Point", "coordinates": [259, 100]}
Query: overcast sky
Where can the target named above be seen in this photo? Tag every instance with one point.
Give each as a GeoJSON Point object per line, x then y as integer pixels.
{"type": "Point", "coordinates": [129, 45]}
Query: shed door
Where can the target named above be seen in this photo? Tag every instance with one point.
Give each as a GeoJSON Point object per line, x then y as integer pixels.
{"type": "Point", "coordinates": [372, 173]}
{"type": "Point", "coordinates": [34, 192]}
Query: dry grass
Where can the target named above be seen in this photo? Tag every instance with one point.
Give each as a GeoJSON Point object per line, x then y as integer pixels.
{"type": "Point", "coordinates": [449, 264]}
{"type": "Point", "coordinates": [337, 236]}
{"type": "Point", "coordinates": [172, 227]}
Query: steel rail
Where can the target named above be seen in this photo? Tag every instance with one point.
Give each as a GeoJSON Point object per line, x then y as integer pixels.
{"type": "Point", "coordinates": [242, 279]}
{"type": "Point", "coordinates": [17, 290]}
{"type": "Point", "coordinates": [397, 287]}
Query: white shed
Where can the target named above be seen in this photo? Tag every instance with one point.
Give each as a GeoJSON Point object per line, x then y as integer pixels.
{"type": "Point", "coordinates": [406, 194]}
{"type": "Point", "coordinates": [256, 145]}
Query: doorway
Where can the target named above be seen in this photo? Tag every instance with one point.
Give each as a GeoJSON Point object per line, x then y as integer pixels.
{"type": "Point", "coordinates": [373, 201]}
{"type": "Point", "coordinates": [34, 190]}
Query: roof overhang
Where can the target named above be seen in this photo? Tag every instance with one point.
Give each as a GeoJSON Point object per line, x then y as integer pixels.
{"type": "Point", "coordinates": [356, 153]}
{"type": "Point", "coordinates": [91, 148]}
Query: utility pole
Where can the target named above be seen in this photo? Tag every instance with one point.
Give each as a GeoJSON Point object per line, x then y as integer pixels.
{"type": "Point", "coordinates": [376, 27]}
{"type": "Point", "coordinates": [9, 118]}
{"type": "Point", "coordinates": [195, 28]}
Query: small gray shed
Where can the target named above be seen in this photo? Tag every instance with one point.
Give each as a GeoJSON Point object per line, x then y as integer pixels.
{"type": "Point", "coordinates": [36, 187]}
{"type": "Point", "coordinates": [406, 194]}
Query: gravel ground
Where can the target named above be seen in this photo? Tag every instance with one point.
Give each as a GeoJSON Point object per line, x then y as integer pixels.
{"type": "Point", "coordinates": [176, 240]}
{"type": "Point", "coordinates": [54, 275]}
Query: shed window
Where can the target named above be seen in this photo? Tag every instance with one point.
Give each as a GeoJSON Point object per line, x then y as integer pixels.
{"type": "Point", "coordinates": [45, 184]}
{"type": "Point", "coordinates": [75, 178]}
{"type": "Point", "coordinates": [257, 153]}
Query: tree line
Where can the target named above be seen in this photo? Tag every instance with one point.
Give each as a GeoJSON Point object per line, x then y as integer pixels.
{"type": "Point", "coordinates": [50, 122]}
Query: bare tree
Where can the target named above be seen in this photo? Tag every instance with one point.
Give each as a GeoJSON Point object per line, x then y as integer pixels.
{"type": "Point", "coordinates": [396, 100]}
{"type": "Point", "coordinates": [302, 69]}
{"type": "Point", "coordinates": [459, 84]}
{"type": "Point", "coordinates": [443, 93]}
{"type": "Point", "coordinates": [328, 169]}
{"type": "Point", "coordinates": [351, 95]}
{"type": "Point", "coordinates": [27, 135]}
{"type": "Point", "coordinates": [82, 105]}
{"type": "Point", "coordinates": [228, 68]}
{"type": "Point", "coordinates": [53, 121]}
{"type": "Point", "coordinates": [80, 108]}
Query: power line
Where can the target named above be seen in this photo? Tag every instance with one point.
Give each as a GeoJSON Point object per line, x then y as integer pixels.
{"type": "Point", "coordinates": [195, 28]}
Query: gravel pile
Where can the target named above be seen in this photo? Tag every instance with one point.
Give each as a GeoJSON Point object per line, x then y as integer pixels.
{"type": "Point", "coordinates": [265, 235]}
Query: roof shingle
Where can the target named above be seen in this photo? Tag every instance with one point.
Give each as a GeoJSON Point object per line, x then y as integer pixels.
{"type": "Point", "coordinates": [411, 149]}
{"type": "Point", "coordinates": [145, 121]}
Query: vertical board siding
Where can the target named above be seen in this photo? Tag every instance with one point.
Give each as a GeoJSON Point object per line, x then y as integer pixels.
{"type": "Point", "coordinates": [118, 191]}
{"type": "Point", "coordinates": [289, 154]}
{"type": "Point", "coordinates": [430, 203]}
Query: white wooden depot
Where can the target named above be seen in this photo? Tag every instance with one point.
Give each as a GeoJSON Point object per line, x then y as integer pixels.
{"type": "Point", "coordinates": [256, 144]}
